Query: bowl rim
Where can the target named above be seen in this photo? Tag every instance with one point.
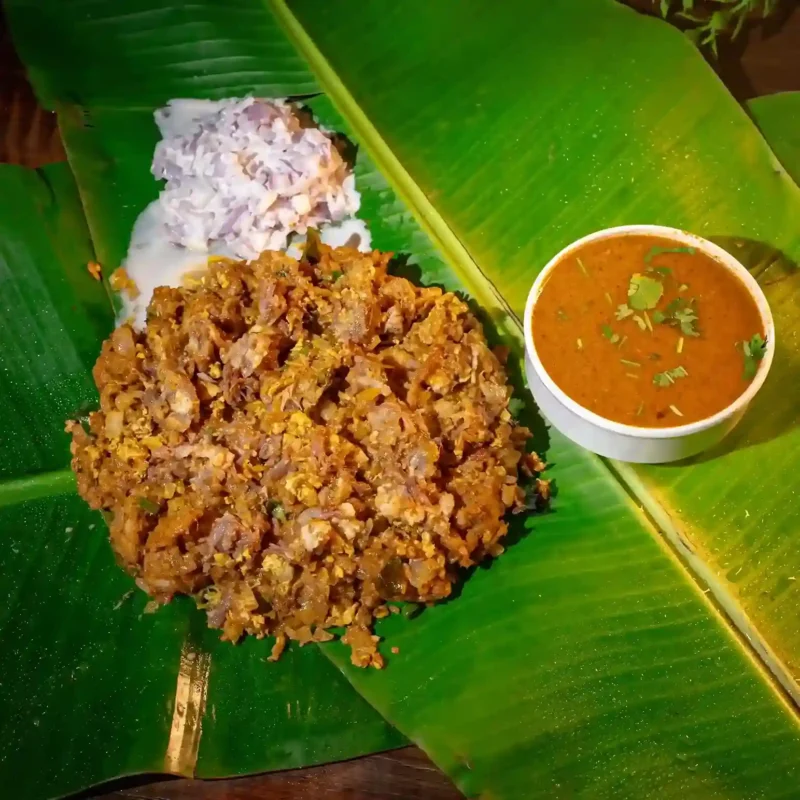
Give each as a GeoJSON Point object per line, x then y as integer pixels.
{"type": "Point", "coordinates": [683, 237]}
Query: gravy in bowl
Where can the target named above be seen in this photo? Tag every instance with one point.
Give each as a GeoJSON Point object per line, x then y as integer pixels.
{"type": "Point", "coordinates": [645, 331]}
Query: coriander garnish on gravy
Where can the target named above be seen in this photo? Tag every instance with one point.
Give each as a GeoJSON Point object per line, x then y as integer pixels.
{"type": "Point", "coordinates": [667, 335]}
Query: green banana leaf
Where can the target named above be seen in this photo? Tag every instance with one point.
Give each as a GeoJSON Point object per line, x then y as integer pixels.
{"type": "Point", "coordinates": [45, 294]}
{"type": "Point", "coordinates": [588, 661]}
{"type": "Point", "coordinates": [603, 660]}
{"type": "Point", "coordinates": [93, 685]}
{"type": "Point", "coordinates": [589, 148]}
{"type": "Point", "coordinates": [141, 53]}
{"type": "Point", "coordinates": [778, 116]}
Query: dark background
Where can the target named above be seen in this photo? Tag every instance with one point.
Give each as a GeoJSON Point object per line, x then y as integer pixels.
{"type": "Point", "coordinates": [764, 59]}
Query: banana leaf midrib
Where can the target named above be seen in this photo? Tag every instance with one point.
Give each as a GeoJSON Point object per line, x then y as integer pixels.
{"type": "Point", "coordinates": [724, 601]}
{"type": "Point", "coordinates": [484, 290]}
{"type": "Point", "coordinates": [402, 183]}
{"type": "Point", "coordinates": [33, 487]}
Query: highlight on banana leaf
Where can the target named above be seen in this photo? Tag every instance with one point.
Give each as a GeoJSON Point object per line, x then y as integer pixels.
{"type": "Point", "coordinates": [642, 637]}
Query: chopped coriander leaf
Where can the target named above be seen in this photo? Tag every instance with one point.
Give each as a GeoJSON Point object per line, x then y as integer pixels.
{"type": "Point", "coordinates": [756, 347]}
{"type": "Point", "coordinates": [663, 272]}
{"type": "Point", "coordinates": [687, 320]}
{"type": "Point", "coordinates": [336, 274]}
{"type": "Point", "coordinates": [681, 313]}
{"type": "Point", "coordinates": [644, 292]}
{"type": "Point", "coordinates": [148, 506]}
{"type": "Point", "coordinates": [754, 350]}
{"type": "Point", "coordinates": [657, 251]}
{"type": "Point", "coordinates": [583, 268]}
{"type": "Point", "coordinates": [662, 379]}
{"type": "Point", "coordinates": [676, 410]}
{"type": "Point", "coordinates": [630, 363]}
{"type": "Point", "coordinates": [623, 311]}
{"type": "Point", "coordinates": [609, 334]}
{"type": "Point", "coordinates": [277, 510]}
{"type": "Point", "coordinates": [669, 376]}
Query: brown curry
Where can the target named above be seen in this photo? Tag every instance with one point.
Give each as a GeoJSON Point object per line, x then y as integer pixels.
{"type": "Point", "coordinates": [645, 331]}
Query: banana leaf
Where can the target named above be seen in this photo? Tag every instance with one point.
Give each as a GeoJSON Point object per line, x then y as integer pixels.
{"type": "Point", "coordinates": [93, 685]}
{"type": "Point", "coordinates": [599, 643]}
{"type": "Point", "coordinates": [590, 148]}
{"type": "Point", "coordinates": [89, 50]}
{"type": "Point", "coordinates": [589, 660]}
{"type": "Point", "coordinates": [778, 117]}
{"type": "Point", "coordinates": [46, 291]}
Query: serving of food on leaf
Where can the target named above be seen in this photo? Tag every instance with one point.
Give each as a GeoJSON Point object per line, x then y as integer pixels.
{"type": "Point", "coordinates": [300, 440]}
{"type": "Point", "coordinates": [300, 444]}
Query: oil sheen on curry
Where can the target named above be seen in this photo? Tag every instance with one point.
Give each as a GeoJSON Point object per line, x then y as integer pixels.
{"type": "Point", "coordinates": [645, 331]}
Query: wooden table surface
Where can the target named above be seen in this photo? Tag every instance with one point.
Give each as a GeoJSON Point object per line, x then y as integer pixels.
{"type": "Point", "coordinates": [764, 61]}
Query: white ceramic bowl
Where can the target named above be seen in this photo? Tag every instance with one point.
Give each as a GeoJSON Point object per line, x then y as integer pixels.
{"type": "Point", "coordinates": [629, 442]}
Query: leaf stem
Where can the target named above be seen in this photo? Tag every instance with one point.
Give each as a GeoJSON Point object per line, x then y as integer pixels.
{"type": "Point", "coordinates": [32, 487]}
